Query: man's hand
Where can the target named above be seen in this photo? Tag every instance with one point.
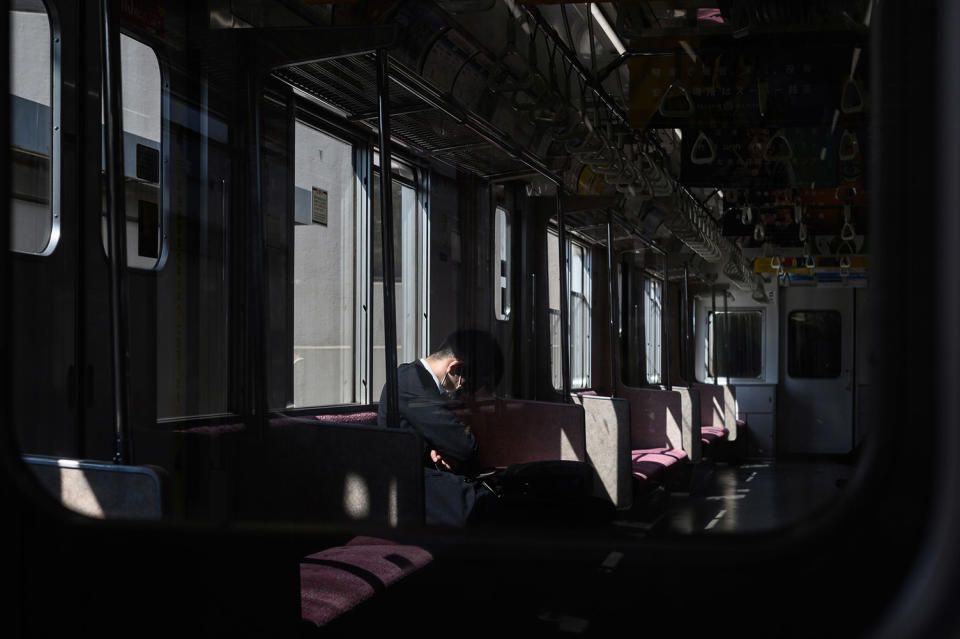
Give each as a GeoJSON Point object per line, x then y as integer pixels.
{"type": "Point", "coordinates": [437, 459]}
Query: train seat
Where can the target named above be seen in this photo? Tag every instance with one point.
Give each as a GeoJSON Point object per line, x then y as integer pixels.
{"type": "Point", "coordinates": [102, 489]}
{"type": "Point", "coordinates": [718, 407]}
{"type": "Point", "coordinates": [207, 460]}
{"type": "Point", "coordinates": [542, 445]}
{"type": "Point", "coordinates": [338, 579]}
{"type": "Point", "coordinates": [303, 469]}
{"type": "Point", "coordinates": [607, 430]}
{"type": "Point", "coordinates": [710, 434]}
{"type": "Point", "coordinates": [718, 417]}
{"type": "Point", "coordinates": [659, 430]}
{"type": "Point", "coordinates": [515, 431]}
{"type": "Point", "coordinates": [652, 463]}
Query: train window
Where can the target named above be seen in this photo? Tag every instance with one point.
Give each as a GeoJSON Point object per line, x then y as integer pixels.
{"type": "Point", "coordinates": [324, 284]}
{"type": "Point", "coordinates": [735, 344]}
{"type": "Point", "coordinates": [34, 132]}
{"type": "Point", "coordinates": [653, 314]}
{"type": "Point", "coordinates": [409, 226]}
{"type": "Point", "coordinates": [814, 344]}
{"type": "Point", "coordinates": [141, 92]}
{"type": "Point", "coordinates": [501, 270]}
{"type": "Point", "coordinates": [190, 296]}
{"type": "Point", "coordinates": [579, 303]}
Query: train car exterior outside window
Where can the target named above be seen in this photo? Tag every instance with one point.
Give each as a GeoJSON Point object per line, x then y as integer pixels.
{"type": "Point", "coordinates": [34, 130]}
{"type": "Point", "coordinates": [579, 304]}
{"type": "Point", "coordinates": [142, 90]}
{"type": "Point", "coordinates": [501, 270]}
{"type": "Point", "coordinates": [581, 301]}
{"type": "Point", "coordinates": [653, 314]}
{"type": "Point", "coordinates": [410, 235]}
{"type": "Point", "coordinates": [814, 347]}
{"type": "Point", "coordinates": [325, 283]}
{"type": "Point", "coordinates": [738, 336]}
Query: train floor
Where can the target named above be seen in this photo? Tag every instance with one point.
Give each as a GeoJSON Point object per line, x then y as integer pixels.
{"type": "Point", "coordinates": [753, 496]}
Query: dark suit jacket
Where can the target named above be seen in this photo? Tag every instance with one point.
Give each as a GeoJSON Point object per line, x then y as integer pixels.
{"type": "Point", "coordinates": [424, 409]}
{"type": "Point", "coordinates": [449, 498]}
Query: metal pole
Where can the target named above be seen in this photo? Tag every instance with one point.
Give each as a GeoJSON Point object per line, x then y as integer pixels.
{"type": "Point", "coordinates": [713, 329]}
{"type": "Point", "coordinates": [614, 369]}
{"type": "Point", "coordinates": [256, 291]}
{"type": "Point", "coordinates": [116, 229]}
{"type": "Point", "coordinates": [685, 326]}
{"type": "Point", "coordinates": [564, 292]}
{"type": "Point", "coordinates": [665, 319]}
{"type": "Point", "coordinates": [726, 338]}
{"type": "Point", "coordinates": [386, 225]}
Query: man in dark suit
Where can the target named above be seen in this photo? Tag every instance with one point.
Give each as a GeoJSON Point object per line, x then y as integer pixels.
{"type": "Point", "coordinates": [428, 388]}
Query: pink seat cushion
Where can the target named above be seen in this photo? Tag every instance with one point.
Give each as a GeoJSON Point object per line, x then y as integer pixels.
{"type": "Point", "coordinates": [337, 579]}
{"type": "Point", "coordinates": [651, 463]}
{"type": "Point", "coordinates": [710, 434]}
{"type": "Point", "coordinates": [366, 418]}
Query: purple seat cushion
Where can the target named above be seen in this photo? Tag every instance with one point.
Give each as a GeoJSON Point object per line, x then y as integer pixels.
{"type": "Point", "coordinates": [647, 470]}
{"type": "Point", "coordinates": [710, 434]}
{"type": "Point", "coordinates": [219, 429]}
{"type": "Point", "coordinates": [337, 579]}
{"type": "Point", "coordinates": [651, 463]}
{"type": "Point", "coordinates": [368, 418]}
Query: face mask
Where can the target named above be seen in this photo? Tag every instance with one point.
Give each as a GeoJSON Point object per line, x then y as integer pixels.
{"type": "Point", "coordinates": [454, 394]}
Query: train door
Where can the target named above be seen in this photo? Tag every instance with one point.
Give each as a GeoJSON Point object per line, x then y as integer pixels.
{"type": "Point", "coordinates": [43, 230]}
{"type": "Point", "coordinates": [815, 396]}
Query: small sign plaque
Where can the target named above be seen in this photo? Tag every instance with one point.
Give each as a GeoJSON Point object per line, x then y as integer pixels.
{"type": "Point", "coordinates": [319, 206]}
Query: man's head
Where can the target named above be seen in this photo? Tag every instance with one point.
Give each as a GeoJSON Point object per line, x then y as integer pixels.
{"type": "Point", "coordinates": [467, 360]}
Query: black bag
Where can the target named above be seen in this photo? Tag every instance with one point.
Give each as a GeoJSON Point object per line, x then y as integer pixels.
{"type": "Point", "coordinates": [548, 480]}
{"type": "Point", "coordinates": [544, 492]}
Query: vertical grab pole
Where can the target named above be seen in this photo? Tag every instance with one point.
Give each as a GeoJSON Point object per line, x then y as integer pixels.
{"type": "Point", "coordinates": [614, 368]}
{"type": "Point", "coordinates": [564, 293]}
{"type": "Point", "coordinates": [713, 332]}
{"type": "Point", "coordinates": [386, 225]}
{"type": "Point", "coordinates": [256, 289]}
{"type": "Point", "coordinates": [665, 319]}
{"type": "Point", "coordinates": [116, 229]}
{"type": "Point", "coordinates": [685, 326]}
{"type": "Point", "coordinates": [726, 339]}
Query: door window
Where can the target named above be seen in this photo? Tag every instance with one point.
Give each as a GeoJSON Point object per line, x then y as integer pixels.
{"type": "Point", "coordinates": [814, 344]}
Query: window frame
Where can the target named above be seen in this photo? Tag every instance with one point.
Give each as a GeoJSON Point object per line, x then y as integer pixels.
{"type": "Point", "coordinates": [163, 184]}
{"type": "Point", "coordinates": [415, 232]}
{"type": "Point", "coordinates": [707, 352]}
{"type": "Point", "coordinates": [315, 114]}
{"type": "Point", "coordinates": [790, 343]}
{"type": "Point", "coordinates": [502, 271]}
{"type": "Point", "coordinates": [56, 125]}
{"type": "Point", "coordinates": [585, 380]}
{"type": "Point", "coordinates": [653, 310]}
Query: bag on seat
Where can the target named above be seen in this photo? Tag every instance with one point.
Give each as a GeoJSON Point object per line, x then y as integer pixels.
{"type": "Point", "coordinates": [545, 492]}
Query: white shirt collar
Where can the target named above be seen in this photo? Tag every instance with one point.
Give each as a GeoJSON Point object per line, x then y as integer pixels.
{"type": "Point", "coordinates": [423, 361]}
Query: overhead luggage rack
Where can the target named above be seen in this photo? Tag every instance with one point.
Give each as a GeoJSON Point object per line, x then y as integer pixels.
{"type": "Point", "coordinates": [422, 118]}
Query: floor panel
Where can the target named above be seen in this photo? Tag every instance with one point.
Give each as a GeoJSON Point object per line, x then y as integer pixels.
{"type": "Point", "coordinates": [754, 497]}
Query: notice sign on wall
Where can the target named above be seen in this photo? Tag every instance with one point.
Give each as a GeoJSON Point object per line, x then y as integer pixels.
{"type": "Point", "coordinates": [319, 206]}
